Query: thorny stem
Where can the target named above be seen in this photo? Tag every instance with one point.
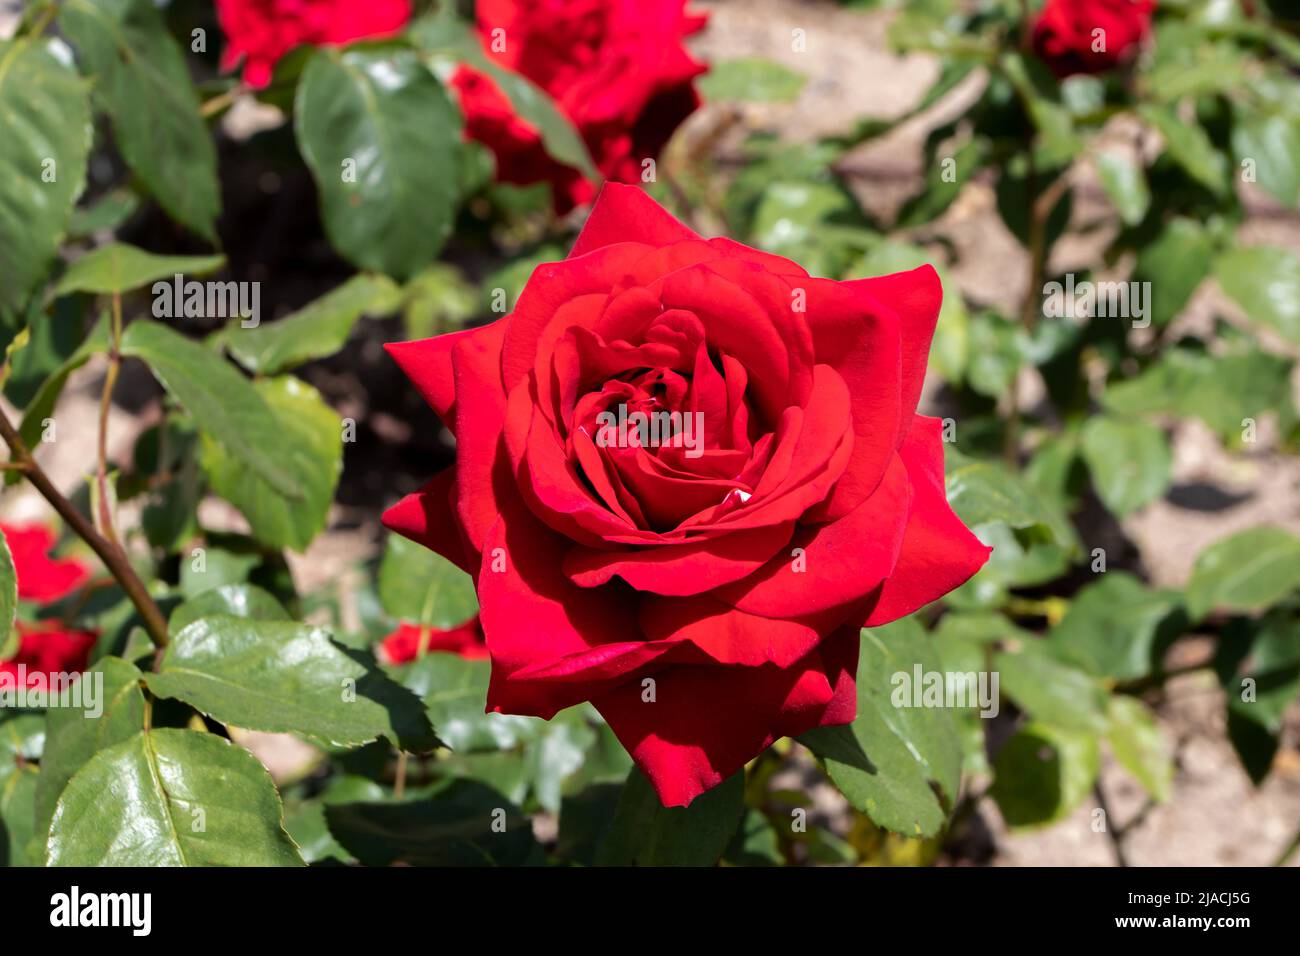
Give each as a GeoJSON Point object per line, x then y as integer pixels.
{"type": "Point", "coordinates": [114, 558]}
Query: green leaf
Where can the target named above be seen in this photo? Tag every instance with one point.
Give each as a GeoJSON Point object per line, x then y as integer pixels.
{"type": "Point", "coordinates": [235, 600]}
{"type": "Point", "coordinates": [898, 764]}
{"type": "Point", "coordinates": [1189, 147]}
{"type": "Point", "coordinates": [1140, 746]}
{"type": "Point", "coordinates": [8, 597]}
{"type": "Point", "coordinates": [105, 214]}
{"type": "Point", "coordinates": [448, 41]}
{"type": "Point", "coordinates": [454, 691]}
{"type": "Point", "coordinates": [73, 736]}
{"type": "Point", "coordinates": [310, 448]}
{"type": "Point", "coordinates": [47, 395]}
{"type": "Point", "coordinates": [317, 330]}
{"type": "Point", "coordinates": [285, 677]}
{"type": "Point", "coordinates": [21, 743]}
{"type": "Point", "coordinates": [1126, 185]}
{"type": "Point", "coordinates": [224, 403]}
{"type": "Point", "coordinates": [1259, 667]}
{"type": "Point", "coordinates": [305, 822]}
{"type": "Point", "coordinates": [1265, 282]}
{"type": "Point", "coordinates": [44, 118]}
{"type": "Point", "coordinates": [1042, 773]}
{"type": "Point", "coordinates": [171, 798]}
{"type": "Point", "coordinates": [381, 139]}
{"type": "Point", "coordinates": [118, 267]}
{"type": "Point", "coordinates": [1117, 627]}
{"type": "Point", "coordinates": [1221, 390]}
{"type": "Point", "coordinates": [1271, 142]}
{"type": "Point", "coordinates": [142, 82]}
{"type": "Point", "coordinates": [1174, 263]}
{"type": "Point", "coordinates": [982, 492]}
{"type": "Point", "coordinates": [463, 823]}
{"type": "Point", "coordinates": [752, 79]}
{"type": "Point", "coordinates": [1051, 690]}
{"type": "Point", "coordinates": [421, 587]}
{"type": "Point", "coordinates": [644, 832]}
{"type": "Point", "coordinates": [756, 843]}
{"type": "Point", "coordinates": [1248, 571]}
{"type": "Point", "coordinates": [1130, 462]}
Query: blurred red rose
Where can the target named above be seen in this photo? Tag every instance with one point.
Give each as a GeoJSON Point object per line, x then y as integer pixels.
{"type": "Point", "coordinates": [259, 32]}
{"type": "Point", "coordinates": [705, 593]}
{"type": "Point", "coordinates": [48, 648]}
{"type": "Point", "coordinates": [41, 578]}
{"type": "Point", "coordinates": [404, 644]}
{"type": "Point", "coordinates": [1090, 36]}
{"type": "Point", "coordinates": [616, 68]}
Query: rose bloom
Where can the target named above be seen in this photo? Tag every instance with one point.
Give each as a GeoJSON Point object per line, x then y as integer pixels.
{"type": "Point", "coordinates": [617, 68]}
{"type": "Point", "coordinates": [1064, 37]}
{"type": "Point", "coordinates": [259, 32]}
{"type": "Point", "coordinates": [405, 643]}
{"type": "Point", "coordinates": [705, 596]}
{"type": "Point", "coordinates": [48, 646]}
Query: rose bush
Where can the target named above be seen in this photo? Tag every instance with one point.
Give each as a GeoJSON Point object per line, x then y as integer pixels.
{"type": "Point", "coordinates": [1090, 36]}
{"type": "Point", "coordinates": [738, 579]}
{"type": "Point", "coordinates": [618, 71]}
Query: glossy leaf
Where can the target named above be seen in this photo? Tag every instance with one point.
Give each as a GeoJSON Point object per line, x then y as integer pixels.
{"type": "Point", "coordinates": [287, 677]}
{"type": "Point", "coordinates": [44, 130]}
{"type": "Point", "coordinates": [381, 139]}
{"type": "Point", "coordinates": [644, 832]}
{"type": "Point", "coordinates": [463, 823]}
{"type": "Point", "coordinates": [900, 764]}
{"type": "Point", "coordinates": [224, 403]}
{"type": "Point", "coordinates": [317, 330]}
{"type": "Point", "coordinates": [1042, 773]}
{"type": "Point", "coordinates": [142, 82]}
{"type": "Point", "coordinates": [118, 267]}
{"type": "Point", "coordinates": [73, 737]}
{"type": "Point", "coordinates": [171, 798]}
{"type": "Point", "coordinates": [309, 447]}
{"type": "Point", "coordinates": [1051, 690]}
{"type": "Point", "coordinates": [420, 587]}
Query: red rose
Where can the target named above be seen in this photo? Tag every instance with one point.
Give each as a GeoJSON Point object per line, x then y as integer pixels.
{"type": "Point", "coordinates": [1090, 36]}
{"type": "Point", "coordinates": [617, 69]}
{"type": "Point", "coordinates": [48, 648]}
{"type": "Point", "coordinates": [409, 641]}
{"type": "Point", "coordinates": [259, 32]}
{"type": "Point", "coordinates": [40, 577]}
{"type": "Point", "coordinates": [733, 566]}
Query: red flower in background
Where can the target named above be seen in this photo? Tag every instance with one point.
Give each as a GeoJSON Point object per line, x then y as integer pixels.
{"type": "Point", "coordinates": [735, 579]}
{"type": "Point", "coordinates": [48, 646]}
{"type": "Point", "coordinates": [259, 32]}
{"type": "Point", "coordinates": [41, 578]}
{"type": "Point", "coordinates": [1090, 36]}
{"type": "Point", "coordinates": [404, 644]}
{"type": "Point", "coordinates": [617, 68]}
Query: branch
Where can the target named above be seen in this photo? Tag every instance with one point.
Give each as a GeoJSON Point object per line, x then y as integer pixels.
{"type": "Point", "coordinates": [114, 559]}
